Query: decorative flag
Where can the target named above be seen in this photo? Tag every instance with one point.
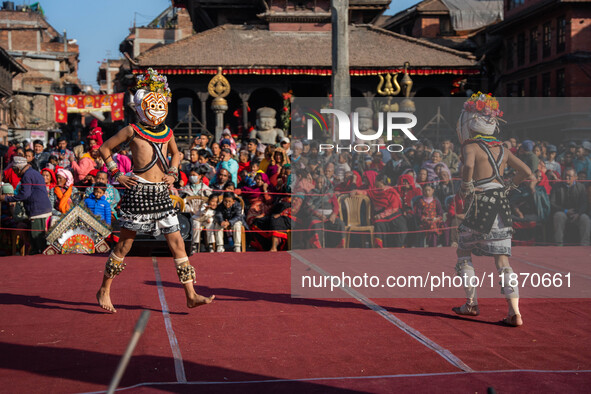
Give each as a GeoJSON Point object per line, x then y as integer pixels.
{"type": "Point", "coordinates": [61, 115]}
{"type": "Point", "coordinates": [88, 103]}
{"type": "Point", "coordinates": [117, 106]}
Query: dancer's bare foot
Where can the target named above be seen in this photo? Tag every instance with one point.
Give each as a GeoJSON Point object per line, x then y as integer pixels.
{"type": "Point", "coordinates": [196, 300]}
{"type": "Point", "coordinates": [467, 310]}
{"type": "Point", "coordinates": [513, 321]}
{"type": "Point", "coordinates": [104, 299]}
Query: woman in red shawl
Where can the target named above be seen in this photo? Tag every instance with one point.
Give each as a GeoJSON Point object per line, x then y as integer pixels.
{"type": "Point", "coordinates": [351, 182]}
{"type": "Point", "coordinates": [407, 189]}
{"type": "Point", "coordinates": [387, 211]}
{"type": "Point", "coordinates": [429, 215]}
{"type": "Point", "coordinates": [50, 180]}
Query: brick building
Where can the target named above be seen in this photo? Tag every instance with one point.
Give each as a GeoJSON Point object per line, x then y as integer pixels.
{"type": "Point", "coordinates": [432, 20]}
{"type": "Point", "coordinates": [9, 68]}
{"type": "Point", "coordinates": [107, 76]}
{"type": "Point", "coordinates": [171, 25]}
{"type": "Point", "coordinates": [545, 49]}
{"type": "Point", "coordinates": [52, 63]}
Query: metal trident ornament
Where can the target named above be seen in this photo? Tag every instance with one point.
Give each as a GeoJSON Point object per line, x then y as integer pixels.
{"type": "Point", "coordinates": [390, 87]}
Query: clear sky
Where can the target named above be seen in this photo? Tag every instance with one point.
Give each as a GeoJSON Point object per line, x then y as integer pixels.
{"type": "Point", "coordinates": [100, 26]}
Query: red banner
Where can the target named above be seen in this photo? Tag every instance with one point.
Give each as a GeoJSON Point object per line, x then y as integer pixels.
{"type": "Point", "coordinates": [61, 115]}
{"type": "Point", "coordinates": [88, 103]}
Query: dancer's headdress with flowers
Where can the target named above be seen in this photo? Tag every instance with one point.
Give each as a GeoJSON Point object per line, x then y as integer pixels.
{"type": "Point", "coordinates": [152, 97]}
{"type": "Point", "coordinates": [480, 115]}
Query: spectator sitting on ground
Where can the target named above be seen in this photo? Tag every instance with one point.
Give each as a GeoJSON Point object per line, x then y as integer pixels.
{"type": "Point", "coordinates": [569, 207]}
{"type": "Point", "coordinates": [98, 204]}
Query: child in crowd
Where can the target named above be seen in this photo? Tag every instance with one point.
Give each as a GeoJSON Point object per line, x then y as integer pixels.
{"type": "Point", "coordinates": [249, 179]}
{"type": "Point", "coordinates": [204, 220]}
{"type": "Point", "coordinates": [228, 217]}
{"type": "Point", "coordinates": [243, 163]}
{"type": "Point", "coordinates": [429, 214]}
{"type": "Point", "coordinates": [342, 167]}
{"type": "Point", "coordinates": [98, 204]}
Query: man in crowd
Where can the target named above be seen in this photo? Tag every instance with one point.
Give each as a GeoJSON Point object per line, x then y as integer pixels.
{"type": "Point", "coordinates": [41, 157]}
{"type": "Point", "coordinates": [569, 206]}
{"type": "Point", "coordinates": [35, 199]}
{"type": "Point", "coordinates": [65, 156]}
{"type": "Point", "coordinates": [449, 157]}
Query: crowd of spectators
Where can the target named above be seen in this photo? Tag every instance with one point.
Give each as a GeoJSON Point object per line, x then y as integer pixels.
{"type": "Point", "coordinates": [248, 192]}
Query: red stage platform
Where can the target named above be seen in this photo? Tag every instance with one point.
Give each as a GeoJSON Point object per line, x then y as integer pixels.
{"type": "Point", "coordinates": [256, 338]}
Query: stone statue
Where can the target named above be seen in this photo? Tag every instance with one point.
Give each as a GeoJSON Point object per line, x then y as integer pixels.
{"type": "Point", "coordinates": [266, 132]}
{"type": "Point", "coordinates": [365, 124]}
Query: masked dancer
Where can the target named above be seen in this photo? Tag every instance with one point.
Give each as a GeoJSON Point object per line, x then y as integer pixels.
{"type": "Point", "coordinates": [146, 205]}
{"type": "Point", "coordinates": [487, 227]}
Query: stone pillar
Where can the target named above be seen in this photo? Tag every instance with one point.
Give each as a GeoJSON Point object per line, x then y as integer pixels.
{"type": "Point", "coordinates": [244, 97]}
{"type": "Point", "coordinates": [203, 98]}
{"type": "Point", "coordinates": [341, 79]}
{"type": "Point", "coordinates": [219, 106]}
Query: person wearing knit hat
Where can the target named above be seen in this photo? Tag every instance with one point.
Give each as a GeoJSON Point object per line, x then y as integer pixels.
{"type": "Point", "coordinates": [527, 155]}
{"type": "Point", "coordinates": [487, 227]}
{"type": "Point", "coordinates": [551, 163]}
{"type": "Point", "coordinates": [33, 195]}
{"type": "Point", "coordinates": [146, 205]}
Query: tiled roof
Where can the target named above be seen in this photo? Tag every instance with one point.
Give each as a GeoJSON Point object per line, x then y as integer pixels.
{"type": "Point", "coordinates": [250, 46]}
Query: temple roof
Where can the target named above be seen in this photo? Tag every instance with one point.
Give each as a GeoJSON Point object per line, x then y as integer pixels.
{"type": "Point", "coordinates": [256, 46]}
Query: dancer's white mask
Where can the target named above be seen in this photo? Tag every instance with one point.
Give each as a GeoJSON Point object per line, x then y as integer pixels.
{"type": "Point", "coordinates": [474, 123]}
{"type": "Point", "coordinates": [151, 107]}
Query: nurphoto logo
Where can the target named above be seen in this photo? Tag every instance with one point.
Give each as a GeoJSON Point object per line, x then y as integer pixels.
{"type": "Point", "coordinates": [349, 129]}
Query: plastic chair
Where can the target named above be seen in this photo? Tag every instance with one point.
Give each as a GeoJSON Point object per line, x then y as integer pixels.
{"type": "Point", "coordinates": [354, 218]}
{"type": "Point", "coordinates": [192, 203]}
{"type": "Point", "coordinates": [178, 202]}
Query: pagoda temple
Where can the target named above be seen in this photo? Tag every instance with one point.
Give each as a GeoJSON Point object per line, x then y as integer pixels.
{"type": "Point", "coordinates": [267, 48]}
